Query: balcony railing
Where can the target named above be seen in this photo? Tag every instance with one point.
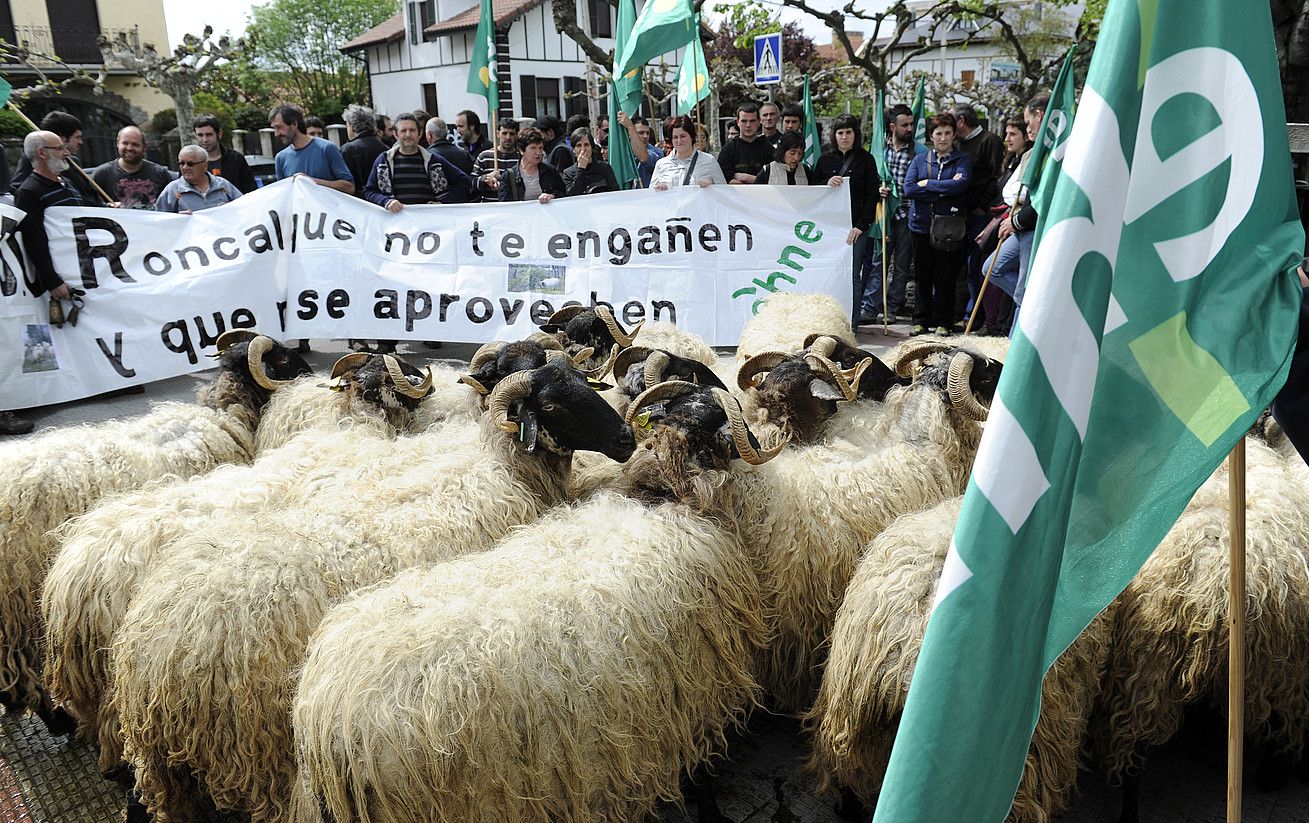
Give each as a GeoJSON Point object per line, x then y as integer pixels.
{"type": "Point", "coordinates": [73, 45]}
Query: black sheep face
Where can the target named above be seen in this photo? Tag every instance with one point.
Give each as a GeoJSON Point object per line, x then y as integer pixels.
{"type": "Point", "coordinates": [371, 382]}
{"type": "Point", "coordinates": [983, 379]}
{"type": "Point", "coordinates": [280, 363]}
{"type": "Point", "coordinates": [521, 355]}
{"type": "Point", "coordinates": [678, 368]}
{"type": "Point", "coordinates": [563, 413]}
{"type": "Point", "coordinates": [797, 399]}
{"type": "Point", "coordinates": [878, 378]}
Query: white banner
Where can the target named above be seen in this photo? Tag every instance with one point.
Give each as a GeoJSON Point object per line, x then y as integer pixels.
{"type": "Point", "coordinates": [298, 260]}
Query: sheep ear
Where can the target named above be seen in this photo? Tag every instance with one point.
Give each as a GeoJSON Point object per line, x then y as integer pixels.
{"type": "Point", "coordinates": [824, 390]}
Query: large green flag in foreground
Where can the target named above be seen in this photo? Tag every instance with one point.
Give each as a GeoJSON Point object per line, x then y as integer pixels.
{"type": "Point", "coordinates": [482, 78]}
{"type": "Point", "coordinates": [624, 95]}
{"type": "Point", "coordinates": [1127, 383]}
{"type": "Point", "coordinates": [919, 109]}
{"type": "Point", "coordinates": [813, 144]}
{"type": "Point", "coordinates": [1048, 153]}
{"type": "Point", "coordinates": [664, 26]}
{"type": "Point", "coordinates": [693, 79]}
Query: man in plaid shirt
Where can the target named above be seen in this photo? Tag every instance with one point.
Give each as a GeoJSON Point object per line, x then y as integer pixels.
{"type": "Point", "coordinates": [899, 152]}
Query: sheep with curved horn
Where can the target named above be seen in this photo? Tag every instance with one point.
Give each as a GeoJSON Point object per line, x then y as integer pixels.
{"type": "Point", "coordinates": [575, 671]}
{"type": "Point", "coordinates": [786, 320]}
{"type": "Point", "coordinates": [578, 327]}
{"type": "Point", "coordinates": [811, 512]}
{"type": "Point", "coordinates": [49, 478]}
{"type": "Point", "coordinates": [106, 553]}
{"type": "Point", "coordinates": [203, 668]}
{"type": "Point", "coordinates": [798, 394]}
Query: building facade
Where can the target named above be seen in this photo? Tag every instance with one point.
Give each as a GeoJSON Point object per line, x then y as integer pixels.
{"type": "Point", "coordinates": [419, 59]}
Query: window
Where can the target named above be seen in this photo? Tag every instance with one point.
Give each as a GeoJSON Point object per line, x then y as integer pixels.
{"type": "Point", "coordinates": [540, 96]}
{"type": "Point", "coordinates": [574, 96]}
{"type": "Point", "coordinates": [429, 100]}
{"type": "Point", "coordinates": [601, 24]}
{"type": "Point", "coordinates": [421, 15]}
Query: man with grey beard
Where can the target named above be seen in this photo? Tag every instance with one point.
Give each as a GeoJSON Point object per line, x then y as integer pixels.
{"type": "Point", "coordinates": [41, 189]}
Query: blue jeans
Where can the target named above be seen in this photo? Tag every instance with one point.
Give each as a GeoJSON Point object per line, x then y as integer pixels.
{"type": "Point", "coordinates": [1003, 265]}
{"type": "Point", "coordinates": [1024, 260]}
{"type": "Point", "coordinates": [902, 251]}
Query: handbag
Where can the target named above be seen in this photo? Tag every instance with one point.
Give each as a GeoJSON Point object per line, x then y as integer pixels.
{"type": "Point", "coordinates": [947, 232]}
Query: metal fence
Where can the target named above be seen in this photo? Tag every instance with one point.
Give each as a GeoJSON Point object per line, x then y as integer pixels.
{"type": "Point", "coordinates": [72, 44]}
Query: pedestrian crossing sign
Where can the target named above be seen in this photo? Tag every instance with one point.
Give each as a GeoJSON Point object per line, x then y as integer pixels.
{"type": "Point", "coordinates": [768, 58]}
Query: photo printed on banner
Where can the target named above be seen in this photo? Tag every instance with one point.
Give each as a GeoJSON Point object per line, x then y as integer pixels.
{"type": "Point", "coordinates": [38, 349]}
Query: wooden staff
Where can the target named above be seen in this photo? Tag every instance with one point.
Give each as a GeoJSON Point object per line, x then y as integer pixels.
{"type": "Point", "coordinates": [495, 148]}
{"type": "Point", "coordinates": [72, 164]}
{"type": "Point", "coordinates": [1236, 630]}
{"type": "Point", "coordinates": [886, 307]}
{"type": "Point", "coordinates": [977, 303]}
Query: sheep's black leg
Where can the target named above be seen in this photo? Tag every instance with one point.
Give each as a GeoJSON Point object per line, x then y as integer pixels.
{"type": "Point", "coordinates": [1131, 812]}
{"type": "Point", "coordinates": [700, 790]}
{"type": "Point", "coordinates": [136, 811]}
{"type": "Point", "coordinates": [850, 807]}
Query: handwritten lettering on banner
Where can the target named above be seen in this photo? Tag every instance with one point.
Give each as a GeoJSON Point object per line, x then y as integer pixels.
{"type": "Point", "coordinates": [297, 260]}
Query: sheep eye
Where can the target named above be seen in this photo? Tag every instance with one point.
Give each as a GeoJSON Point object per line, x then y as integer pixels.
{"type": "Point", "coordinates": [549, 407]}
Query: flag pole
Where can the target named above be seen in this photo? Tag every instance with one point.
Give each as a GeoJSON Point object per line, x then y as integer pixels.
{"type": "Point", "coordinates": [977, 303]}
{"type": "Point", "coordinates": [1236, 630]}
{"type": "Point", "coordinates": [72, 164]}
{"type": "Point", "coordinates": [495, 135]}
{"type": "Point", "coordinates": [886, 306]}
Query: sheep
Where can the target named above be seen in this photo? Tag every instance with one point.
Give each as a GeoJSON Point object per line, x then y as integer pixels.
{"type": "Point", "coordinates": [1170, 644]}
{"type": "Point", "coordinates": [783, 323]}
{"type": "Point", "coordinates": [596, 328]}
{"type": "Point", "coordinates": [874, 646]}
{"type": "Point", "coordinates": [105, 553]}
{"type": "Point", "coordinates": [203, 668]}
{"type": "Point", "coordinates": [811, 511]}
{"type": "Point", "coordinates": [570, 673]}
{"type": "Point", "coordinates": [61, 473]}
{"type": "Point", "coordinates": [675, 340]}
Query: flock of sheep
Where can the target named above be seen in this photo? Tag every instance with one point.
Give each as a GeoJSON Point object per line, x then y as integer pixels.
{"type": "Point", "coordinates": [547, 587]}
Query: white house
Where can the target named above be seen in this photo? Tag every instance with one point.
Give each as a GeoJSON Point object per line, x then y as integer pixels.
{"type": "Point", "coordinates": [420, 57]}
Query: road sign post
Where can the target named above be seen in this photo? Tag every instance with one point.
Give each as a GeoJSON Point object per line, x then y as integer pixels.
{"type": "Point", "coordinates": [768, 58]}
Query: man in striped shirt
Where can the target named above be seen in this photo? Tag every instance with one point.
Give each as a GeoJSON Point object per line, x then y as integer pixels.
{"type": "Point", "coordinates": [408, 174]}
{"type": "Point", "coordinates": [506, 152]}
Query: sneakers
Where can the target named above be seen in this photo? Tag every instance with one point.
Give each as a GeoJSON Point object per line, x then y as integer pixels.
{"type": "Point", "coordinates": [942, 331]}
{"type": "Point", "coordinates": [11, 423]}
{"type": "Point", "coordinates": [918, 328]}
{"type": "Point", "coordinates": [868, 319]}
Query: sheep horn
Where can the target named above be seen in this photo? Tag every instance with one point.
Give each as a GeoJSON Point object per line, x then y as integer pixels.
{"type": "Point", "coordinates": [623, 362]}
{"type": "Point", "coordinates": [655, 366]}
{"type": "Point", "coordinates": [565, 314]}
{"type": "Point", "coordinates": [741, 432]}
{"type": "Point", "coordinates": [836, 374]}
{"type": "Point", "coordinates": [254, 358]}
{"type": "Point", "coordinates": [661, 391]}
{"type": "Point", "coordinates": [351, 361]}
{"type": "Point", "coordinates": [516, 386]}
{"type": "Point", "coordinates": [821, 344]}
{"type": "Point", "coordinates": [624, 338]}
{"type": "Point", "coordinates": [231, 337]}
{"type": "Point", "coordinates": [917, 352]}
{"type": "Point", "coordinates": [485, 354]}
{"type": "Point", "coordinates": [959, 389]}
{"type": "Point", "coordinates": [545, 340]}
{"type": "Point", "coordinates": [762, 362]}
{"type": "Point", "coordinates": [401, 382]}
{"type": "Point", "coordinates": [469, 380]}
{"type": "Point", "coordinates": [579, 359]}
{"type": "Point", "coordinates": [602, 369]}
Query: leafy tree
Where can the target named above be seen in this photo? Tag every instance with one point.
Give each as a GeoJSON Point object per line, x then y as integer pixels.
{"type": "Point", "coordinates": [731, 57]}
{"type": "Point", "coordinates": [300, 40]}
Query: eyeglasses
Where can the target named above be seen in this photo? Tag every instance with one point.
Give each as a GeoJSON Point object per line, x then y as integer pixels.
{"type": "Point", "coordinates": [189, 163]}
{"type": "Point", "coordinates": [60, 147]}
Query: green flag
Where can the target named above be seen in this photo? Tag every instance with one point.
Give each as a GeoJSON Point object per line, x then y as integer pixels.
{"type": "Point", "coordinates": [813, 146]}
{"type": "Point", "coordinates": [920, 115]}
{"type": "Point", "coordinates": [482, 77]}
{"type": "Point", "coordinates": [1129, 379]}
{"type": "Point", "coordinates": [5, 91]}
{"type": "Point", "coordinates": [877, 148]}
{"type": "Point", "coordinates": [664, 26]}
{"type": "Point", "coordinates": [624, 95]}
{"type": "Point", "coordinates": [693, 79]}
{"type": "Point", "coordinates": [1048, 153]}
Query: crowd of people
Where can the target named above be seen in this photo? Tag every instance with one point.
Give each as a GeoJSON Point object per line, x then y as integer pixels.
{"type": "Point", "coordinates": [960, 210]}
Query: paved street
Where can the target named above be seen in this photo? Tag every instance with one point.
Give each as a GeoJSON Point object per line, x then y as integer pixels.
{"type": "Point", "coordinates": [761, 778]}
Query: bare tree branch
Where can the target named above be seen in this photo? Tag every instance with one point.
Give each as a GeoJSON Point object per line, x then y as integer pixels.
{"type": "Point", "coordinates": [565, 14]}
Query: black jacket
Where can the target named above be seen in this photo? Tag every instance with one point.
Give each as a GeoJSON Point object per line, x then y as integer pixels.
{"type": "Point", "coordinates": [511, 182]}
{"type": "Point", "coordinates": [861, 174]}
{"type": "Point", "coordinates": [596, 177]}
{"type": "Point", "coordinates": [458, 158]}
{"type": "Point", "coordinates": [360, 154]}
{"type": "Point", "coordinates": [987, 153]}
{"type": "Point", "coordinates": [232, 167]}
{"type": "Point", "coordinates": [35, 195]}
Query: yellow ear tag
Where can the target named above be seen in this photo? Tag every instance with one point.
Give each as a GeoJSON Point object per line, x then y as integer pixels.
{"type": "Point", "coordinates": [596, 384]}
{"type": "Point", "coordinates": [642, 421]}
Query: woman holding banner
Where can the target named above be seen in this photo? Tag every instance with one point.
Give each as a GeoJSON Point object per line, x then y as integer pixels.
{"type": "Point", "coordinates": [685, 164]}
